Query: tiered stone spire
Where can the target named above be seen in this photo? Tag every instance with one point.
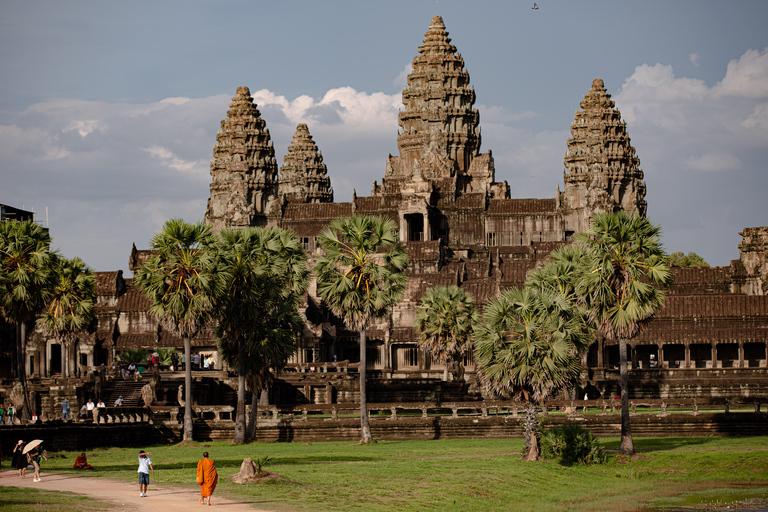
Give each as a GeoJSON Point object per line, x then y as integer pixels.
{"type": "Point", "coordinates": [438, 104]}
{"type": "Point", "coordinates": [243, 169]}
{"type": "Point", "coordinates": [439, 138]}
{"type": "Point", "coordinates": [303, 176]}
{"type": "Point", "coordinates": [602, 172]}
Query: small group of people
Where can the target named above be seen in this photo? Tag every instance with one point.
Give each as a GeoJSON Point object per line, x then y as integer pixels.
{"type": "Point", "coordinates": [23, 456]}
{"type": "Point", "coordinates": [7, 415]}
{"type": "Point", "coordinates": [129, 371]}
{"type": "Point", "coordinates": [206, 362]}
{"type": "Point", "coordinates": [86, 411]}
{"type": "Point", "coordinates": [207, 477]}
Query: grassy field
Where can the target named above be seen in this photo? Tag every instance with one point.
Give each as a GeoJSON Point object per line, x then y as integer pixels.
{"type": "Point", "coordinates": [13, 499]}
{"type": "Point", "coordinates": [471, 475]}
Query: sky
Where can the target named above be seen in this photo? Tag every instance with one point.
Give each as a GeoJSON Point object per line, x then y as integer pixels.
{"type": "Point", "coordinates": [109, 110]}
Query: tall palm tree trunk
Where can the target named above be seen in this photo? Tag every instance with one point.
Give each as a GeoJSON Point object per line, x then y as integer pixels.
{"type": "Point", "coordinates": [365, 429]}
{"type": "Point", "coordinates": [21, 351]}
{"type": "Point", "coordinates": [627, 446]}
{"type": "Point", "coordinates": [240, 414]}
{"type": "Point", "coordinates": [531, 426]}
{"type": "Point", "coordinates": [187, 389]}
{"type": "Point", "coordinates": [251, 432]}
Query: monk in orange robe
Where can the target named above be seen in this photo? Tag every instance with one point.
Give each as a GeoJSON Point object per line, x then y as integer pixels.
{"type": "Point", "coordinates": [81, 462]}
{"type": "Point", "coordinates": [207, 478]}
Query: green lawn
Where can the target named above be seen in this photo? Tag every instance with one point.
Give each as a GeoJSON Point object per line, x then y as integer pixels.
{"type": "Point", "coordinates": [480, 474]}
{"type": "Point", "coordinates": [13, 499]}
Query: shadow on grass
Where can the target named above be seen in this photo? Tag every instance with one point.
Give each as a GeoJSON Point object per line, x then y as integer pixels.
{"type": "Point", "coordinates": [658, 444]}
{"type": "Point", "coordinates": [220, 462]}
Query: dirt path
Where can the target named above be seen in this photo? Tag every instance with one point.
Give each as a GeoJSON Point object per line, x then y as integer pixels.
{"type": "Point", "coordinates": [126, 496]}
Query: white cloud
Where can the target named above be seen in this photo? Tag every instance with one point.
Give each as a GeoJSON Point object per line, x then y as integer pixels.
{"type": "Point", "coordinates": [173, 161]}
{"type": "Point", "coordinates": [84, 128]}
{"type": "Point", "coordinates": [746, 77]}
{"type": "Point", "coordinates": [711, 162]}
{"type": "Point", "coordinates": [694, 59]}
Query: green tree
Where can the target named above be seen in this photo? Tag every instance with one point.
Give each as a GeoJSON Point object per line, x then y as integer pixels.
{"type": "Point", "coordinates": [265, 276]}
{"type": "Point", "coordinates": [360, 275]}
{"type": "Point", "coordinates": [528, 345]}
{"type": "Point", "coordinates": [625, 266]}
{"type": "Point", "coordinates": [181, 282]}
{"type": "Point", "coordinates": [680, 259]}
{"type": "Point", "coordinates": [27, 278]}
{"type": "Point", "coordinates": [444, 321]}
{"type": "Point", "coordinates": [561, 274]}
{"type": "Point", "coordinates": [71, 307]}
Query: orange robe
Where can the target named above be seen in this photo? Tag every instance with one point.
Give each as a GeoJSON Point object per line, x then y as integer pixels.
{"type": "Point", "coordinates": [82, 463]}
{"type": "Point", "coordinates": [207, 477]}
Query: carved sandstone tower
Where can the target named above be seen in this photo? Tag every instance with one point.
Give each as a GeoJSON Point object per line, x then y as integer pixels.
{"type": "Point", "coordinates": [439, 140]}
{"type": "Point", "coordinates": [602, 172]}
{"type": "Point", "coordinates": [304, 176]}
{"type": "Point", "coordinates": [243, 169]}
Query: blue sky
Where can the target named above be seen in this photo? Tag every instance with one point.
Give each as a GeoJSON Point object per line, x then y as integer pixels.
{"type": "Point", "coordinates": [109, 111]}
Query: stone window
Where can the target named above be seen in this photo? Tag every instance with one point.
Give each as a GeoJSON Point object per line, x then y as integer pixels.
{"type": "Point", "coordinates": [373, 356]}
{"type": "Point", "coordinates": [491, 239]}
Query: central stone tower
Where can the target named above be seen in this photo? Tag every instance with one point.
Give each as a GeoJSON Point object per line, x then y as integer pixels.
{"type": "Point", "coordinates": [243, 170]}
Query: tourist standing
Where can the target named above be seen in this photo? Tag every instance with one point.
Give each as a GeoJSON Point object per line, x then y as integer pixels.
{"type": "Point", "coordinates": [205, 363]}
{"type": "Point", "coordinates": [20, 460]}
{"type": "Point", "coordinates": [89, 407]}
{"type": "Point", "coordinates": [196, 361]}
{"type": "Point", "coordinates": [2, 414]}
{"type": "Point", "coordinates": [207, 478]}
{"type": "Point", "coordinates": [11, 414]}
{"type": "Point", "coordinates": [65, 410]}
{"type": "Point", "coordinates": [145, 464]}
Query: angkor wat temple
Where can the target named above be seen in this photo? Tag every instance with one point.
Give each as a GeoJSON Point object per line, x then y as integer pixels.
{"type": "Point", "coordinates": [462, 227]}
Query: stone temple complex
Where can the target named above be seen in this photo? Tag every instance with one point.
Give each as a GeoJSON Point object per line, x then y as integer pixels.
{"type": "Point", "coordinates": [460, 227]}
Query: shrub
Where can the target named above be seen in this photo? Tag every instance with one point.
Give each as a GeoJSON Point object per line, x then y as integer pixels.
{"type": "Point", "coordinates": [572, 444]}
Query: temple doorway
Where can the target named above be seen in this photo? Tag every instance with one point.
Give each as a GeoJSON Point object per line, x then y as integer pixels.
{"type": "Point", "coordinates": [54, 363]}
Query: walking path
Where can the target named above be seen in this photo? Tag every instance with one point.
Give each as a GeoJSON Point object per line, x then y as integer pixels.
{"type": "Point", "coordinates": [126, 496]}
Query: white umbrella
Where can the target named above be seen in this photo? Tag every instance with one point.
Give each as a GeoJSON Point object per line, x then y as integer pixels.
{"type": "Point", "coordinates": [32, 445]}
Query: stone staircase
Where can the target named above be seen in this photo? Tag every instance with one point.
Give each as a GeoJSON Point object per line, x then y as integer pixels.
{"type": "Point", "coordinates": [131, 392]}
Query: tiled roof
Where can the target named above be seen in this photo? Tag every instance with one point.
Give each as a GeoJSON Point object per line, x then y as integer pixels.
{"type": "Point", "coordinates": [132, 299]}
{"type": "Point", "coordinates": [521, 206]}
{"type": "Point", "coordinates": [314, 211]}
{"type": "Point", "coordinates": [105, 283]}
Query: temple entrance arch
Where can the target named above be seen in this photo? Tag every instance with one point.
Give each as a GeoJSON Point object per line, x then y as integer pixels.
{"type": "Point", "coordinates": [54, 358]}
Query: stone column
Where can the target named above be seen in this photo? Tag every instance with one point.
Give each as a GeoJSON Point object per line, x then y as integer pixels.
{"type": "Point", "coordinates": [632, 347]}
{"type": "Point", "coordinates": [427, 231]}
{"type": "Point", "coordinates": [687, 346]}
{"type": "Point", "coordinates": [741, 354]}
{"type": "Point", "coordinates": [600, 348]}
{"type": "Point", "coordinates": [661, 354]}
{"type": "Point", "coordinates": [714, 354]}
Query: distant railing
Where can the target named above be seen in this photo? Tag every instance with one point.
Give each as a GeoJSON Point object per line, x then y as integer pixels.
{"type": "Point", "coordinates": [322, 367]}
{"type": "Point", "coordinates": [487, 409]}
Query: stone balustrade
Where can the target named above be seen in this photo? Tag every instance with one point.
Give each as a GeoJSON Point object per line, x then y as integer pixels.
{"type": "Point", "coordinates": [486, 409]}
{"type": "Point", "coordinates": [102, 415]}
{"type": "Point", "coordinates": [322, 367]}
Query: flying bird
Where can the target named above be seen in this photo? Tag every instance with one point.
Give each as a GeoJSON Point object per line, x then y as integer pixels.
{"type": "Point", "coordinates": [535, 6]}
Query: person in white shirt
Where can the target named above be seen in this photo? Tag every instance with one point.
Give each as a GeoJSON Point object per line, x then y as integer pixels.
{"type": "Point", "coordinates": [90, 405]}
{"type": "Point", "coordinates": [119, 401]}
{"type": "Point", "coordinates": [100, 404]}
{"type": "Point", "coordinates": [145, 464]}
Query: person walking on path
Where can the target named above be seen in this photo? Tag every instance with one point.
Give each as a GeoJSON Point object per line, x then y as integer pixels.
{"type": "Point", "coordinates": [20, 458]}
{"type": "Point", "coordinates": [145, 464]}
{"type": "Point", "coordinates": [34, 456]}
{"type": "Point", "coordinates": [207, 478]}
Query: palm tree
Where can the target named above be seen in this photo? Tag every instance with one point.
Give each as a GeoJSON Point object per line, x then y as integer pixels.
{"type": "Point", "coordinates": [528, 345]}
{"type": "Point", "coordinates": [71, 308]}
{"type": "Point", "coordinates": [265, 276]}
{"type": "Point", "coordinates": [625, 266]}
{"type": "Point", "coordinates": [360, 276]}
{"type": "Point", "coordinates": [445, 320]}
{"type": "Point", "coordinates": [561, 275]}
{"type": "Point", "coordinates": [26, 281]}
{"type": "Point", "coordinates": [181, 283]}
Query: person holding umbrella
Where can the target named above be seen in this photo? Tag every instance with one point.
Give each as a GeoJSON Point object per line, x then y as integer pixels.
{"type": "Point", "coordinates": [33, 453]}
{"type": "Point", "coordinates": [20, 458]}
